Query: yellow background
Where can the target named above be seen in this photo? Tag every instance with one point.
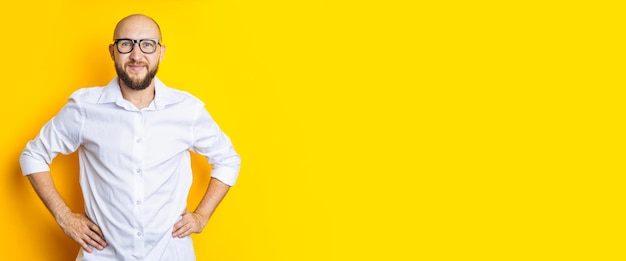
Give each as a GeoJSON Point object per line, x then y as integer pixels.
{"type": "Point", "coordinates": [368, 130]}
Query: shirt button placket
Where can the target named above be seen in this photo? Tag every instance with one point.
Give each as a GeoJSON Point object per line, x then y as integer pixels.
{"type": "Point", "coordinates": [139, 154]}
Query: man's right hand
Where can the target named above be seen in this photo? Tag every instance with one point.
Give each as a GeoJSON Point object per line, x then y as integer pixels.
{"type": "Point", "coordinates": [82, 230]}
{"type": "Point", "coordinates": [75, 225]}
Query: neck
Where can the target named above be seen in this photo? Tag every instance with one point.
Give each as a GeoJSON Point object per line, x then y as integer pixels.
{"type": "Point", "coordinates": [140, 98]}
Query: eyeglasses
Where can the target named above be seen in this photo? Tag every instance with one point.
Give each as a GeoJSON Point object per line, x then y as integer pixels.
{"type": "Point", "coordinates": [147, 46]}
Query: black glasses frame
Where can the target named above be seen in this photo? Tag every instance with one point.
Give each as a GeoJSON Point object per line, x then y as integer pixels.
{"type": "Point", "coordinates": [138, 41]}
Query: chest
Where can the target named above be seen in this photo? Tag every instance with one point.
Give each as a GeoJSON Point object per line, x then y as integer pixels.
{"type": "Point", "coordinates": [120, 135]}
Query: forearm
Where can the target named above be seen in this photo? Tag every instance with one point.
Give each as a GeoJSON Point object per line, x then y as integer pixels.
{"type": "Point", "coordinates": [44, 186]}
{"type": "Point", "coordinates": [75, 225]}
{"type": "Point", "coordinates": [216, 191]}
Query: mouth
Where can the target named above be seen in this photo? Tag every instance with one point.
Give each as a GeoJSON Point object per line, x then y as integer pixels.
{"type": "Point", "coordinates": [137, 67]}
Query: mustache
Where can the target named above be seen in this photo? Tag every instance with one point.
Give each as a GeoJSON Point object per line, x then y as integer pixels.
{"type": "Point", "coordinates": [136, 64]}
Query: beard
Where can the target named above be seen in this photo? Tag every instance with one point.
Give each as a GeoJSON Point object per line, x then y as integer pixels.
{"type": "Point", "coordinates": [138, 84]}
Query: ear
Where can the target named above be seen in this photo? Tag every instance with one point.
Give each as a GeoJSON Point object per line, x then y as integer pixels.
{"type": "Point", "coordinates": [162, 53]}
{"type": "Point", "coordinates": [111, 52]}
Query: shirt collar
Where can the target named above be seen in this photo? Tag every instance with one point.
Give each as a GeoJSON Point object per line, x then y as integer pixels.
{"type": "Point", "coordinates": [163, 95]}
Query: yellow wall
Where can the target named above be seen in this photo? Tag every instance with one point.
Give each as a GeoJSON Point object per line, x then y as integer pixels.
{"type": "Point", "coordinates": [378, 130]}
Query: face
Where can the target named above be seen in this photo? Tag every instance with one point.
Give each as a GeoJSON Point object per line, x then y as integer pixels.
{"type": "Point", "coordinates": [136, 70]}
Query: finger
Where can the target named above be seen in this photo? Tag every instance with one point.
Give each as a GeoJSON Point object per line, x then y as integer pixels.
{"type": "Point", "coordinates": [96, 228]}
{"type": "Point", "coordinates": [178, 229]}
{"type": "Point", "coordinates": [183, 221]}
{"type": "Point", "coordinates": [96, 240]}
{"type": "Point", "coordinates": [99, 236]}
{"type": "Point", "coordinates": [179, 224]}
{"type": "Point", "coordinates": [183, 230]}
{"type": "Point", "coordinates": [92, 242]}
{"type": "Point", "coordinates": [85, 246]}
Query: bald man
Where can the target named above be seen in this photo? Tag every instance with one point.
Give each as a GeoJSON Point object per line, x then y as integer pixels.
{"type": "Point", "coordinates": [133, 138]}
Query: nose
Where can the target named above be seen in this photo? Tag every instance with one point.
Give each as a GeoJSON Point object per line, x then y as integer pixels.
{"type": "Point", "coordinates": [136, 53]}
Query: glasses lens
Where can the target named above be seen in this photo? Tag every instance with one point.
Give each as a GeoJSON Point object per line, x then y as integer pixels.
{"type": "Point", "coordinates": [124, 46]}
{"type": "Point", "coordinates": [147, 45]}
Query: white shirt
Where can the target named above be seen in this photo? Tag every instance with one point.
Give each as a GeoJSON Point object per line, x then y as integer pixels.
{"type": "Point", "coordinates": [135, 170]}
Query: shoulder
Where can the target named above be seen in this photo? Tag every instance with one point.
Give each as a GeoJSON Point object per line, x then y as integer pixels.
{"type": "Point", "coordinates": [87, 94]}
{"type": "Point", "coordinates": [166, 96]}
{"type": "Point", "coordinates": [187, 96]}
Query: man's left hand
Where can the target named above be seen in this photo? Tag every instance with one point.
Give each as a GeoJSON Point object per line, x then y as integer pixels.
{"type": "Point", "coordinates": [191, 222]}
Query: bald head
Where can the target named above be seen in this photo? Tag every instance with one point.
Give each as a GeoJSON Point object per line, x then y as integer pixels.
{"type": "Point", "coordinates": [137, 26]}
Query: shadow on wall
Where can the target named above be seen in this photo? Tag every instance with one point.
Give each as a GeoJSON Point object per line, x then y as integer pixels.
{"type": "Point", "coordinates": [41, 232]}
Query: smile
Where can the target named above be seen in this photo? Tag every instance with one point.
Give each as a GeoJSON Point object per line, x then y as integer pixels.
{"type": "Point", "coordinates": [136, 67]}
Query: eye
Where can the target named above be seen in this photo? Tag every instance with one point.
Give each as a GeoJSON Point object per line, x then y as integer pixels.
{"type": "Point", "coordinates": [147, 43]}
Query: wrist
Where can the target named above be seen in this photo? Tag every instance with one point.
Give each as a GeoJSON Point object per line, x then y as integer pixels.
{"type": "Point", "coordinates": [201, 218]}
{"type": "Point", "coordinates": [61, 214]}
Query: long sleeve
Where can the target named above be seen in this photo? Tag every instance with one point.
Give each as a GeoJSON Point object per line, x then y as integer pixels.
{"type": "Point", "coordinates": [210, 141]}
{"type": "Point", "coordinates": [61, 134]}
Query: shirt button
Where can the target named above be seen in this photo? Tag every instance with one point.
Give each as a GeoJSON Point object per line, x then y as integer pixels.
{"type": "Point", "coordinates": [138, 202]}
{"type": "Point", "coordinates": [139, 140]}
{"type": "Point", "coordinates": [138, 234]}
{"type": "Point", "coordinates": [138, 170]}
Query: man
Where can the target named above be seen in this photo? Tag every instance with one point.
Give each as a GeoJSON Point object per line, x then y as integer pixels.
{"type": "Point", "coordinates": [133, 137]}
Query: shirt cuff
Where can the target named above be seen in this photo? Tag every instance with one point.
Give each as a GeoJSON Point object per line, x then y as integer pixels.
{"type": "Point", "coordinates": [226, 175]}
{"type": "Point", "coordinates": [31, 165]}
